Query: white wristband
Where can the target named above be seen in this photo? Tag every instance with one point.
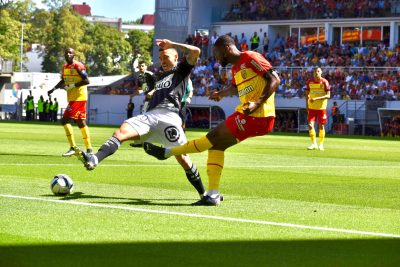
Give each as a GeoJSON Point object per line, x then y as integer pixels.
{"type": "Point", "coordinates": [69, 87]}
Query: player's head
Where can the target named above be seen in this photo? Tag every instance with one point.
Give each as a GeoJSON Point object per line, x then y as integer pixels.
{"type": "Point", "coordinates": [142, 66]}
{"type": "Point", "coordinates": [69, 55]}
{"type": "Point", "coordinates": [168, 58]}
{"type": "Point", "coordinates": [317, 73]}
{"type": "Point", "coordinates": [224, 47]}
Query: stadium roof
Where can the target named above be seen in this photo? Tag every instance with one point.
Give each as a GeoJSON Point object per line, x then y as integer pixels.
{"type": "Point", "coordinates": [83, 10]}
{"type": "Point", "coordinates": [147, 19]}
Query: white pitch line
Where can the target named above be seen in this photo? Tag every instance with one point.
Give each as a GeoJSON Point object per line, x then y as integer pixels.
{"type": "Point", "coordinates": [220, 218]}
{"type": "Point", "coordinates": [236, 166]}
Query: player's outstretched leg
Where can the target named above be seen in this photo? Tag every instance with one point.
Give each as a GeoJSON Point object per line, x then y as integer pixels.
{"type": "Point", "coordinates": [155, 151]}
{"type": "Point", "coordinates": [89, 160]}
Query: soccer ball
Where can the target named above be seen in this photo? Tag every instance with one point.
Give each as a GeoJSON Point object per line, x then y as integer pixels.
{"type": "Point", "coordinates": [61, 185]}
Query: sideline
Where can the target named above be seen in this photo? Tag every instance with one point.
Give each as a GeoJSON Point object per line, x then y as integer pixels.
{"type": "Point", "coordinates": [290, 225]}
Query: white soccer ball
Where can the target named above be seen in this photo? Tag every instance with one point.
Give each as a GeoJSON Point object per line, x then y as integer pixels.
{"type": "Point", "coordinates": [61, 185]}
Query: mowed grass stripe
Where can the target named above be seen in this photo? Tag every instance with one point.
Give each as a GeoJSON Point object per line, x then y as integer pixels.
{"type": "Point", "coordinates": [221, 218]}
{"type": "Point", "coordinates": [236, 166]}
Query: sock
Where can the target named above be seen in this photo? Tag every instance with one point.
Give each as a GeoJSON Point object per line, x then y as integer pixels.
{"type": "Point", "coordinates": [69, 132]}
{"type": "Point", "coordinates": [108, 148]}
{"type": "Point", "coordinates": [193, 146]}
{"type": "Point", "coordinates": [215, 164]}
{"type": "Point", "coordinates": [321, 136]}
{"type": "Point", "coordinates": [86, 137]}
{"type": "Point", "coordinates": [313, 135]}
{"type": "Point", "coordinates": [194, 178]}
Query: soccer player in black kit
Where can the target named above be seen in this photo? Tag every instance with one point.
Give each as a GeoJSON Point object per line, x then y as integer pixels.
{"type": "Point", "coordinates": [161, 122]}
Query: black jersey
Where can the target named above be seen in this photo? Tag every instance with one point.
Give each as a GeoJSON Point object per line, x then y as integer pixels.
{"type": "Point", "coordinates": [170, 88]}
{"type": "Point", "coordinates": [146, 81]}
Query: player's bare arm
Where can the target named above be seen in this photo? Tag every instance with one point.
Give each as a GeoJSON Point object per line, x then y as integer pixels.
{"type": "Point", "coordinates": [136, 92]}
{"type": "Point", "coordinates": [228, 91]}
{"type": "Point", "coordinates": [85, 79]}
{"type": "Point", "coordinates": [307, 96]}
{"type": "Point", "coordinates": [326, 96]}
{"type": "Point", "coordinates": [60, 84]}
{"type": "Point", "coordinates": [192, 52]}
{"type": "Point", "coordinates": [273, 82]}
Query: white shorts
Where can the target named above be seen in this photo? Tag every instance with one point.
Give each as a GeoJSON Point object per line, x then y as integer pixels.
{"type": "Point", "coordinates": [159, 125]}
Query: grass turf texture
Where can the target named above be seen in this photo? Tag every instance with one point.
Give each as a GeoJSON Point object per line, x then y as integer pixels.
{"type": "Point", "coordinates": [135, 211]}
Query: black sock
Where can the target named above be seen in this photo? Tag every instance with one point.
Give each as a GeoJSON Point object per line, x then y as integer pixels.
{"type": "Point", "coordinates": [194, 178]}
{"type": "Point", "coordinates": [108, 148]}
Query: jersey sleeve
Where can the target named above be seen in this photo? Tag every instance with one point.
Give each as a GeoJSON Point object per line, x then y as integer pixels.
{"type": "Point", "coordinates": [233, 77]}
{"type": "Point", "coordinates": [259, 64]}
{"type": "Point", "coordinates": [327, 85]}
{"type": "Point", "coordinates": [184, 68]}
{"type": "Point", "coordinates": [308, 85]}
{"type": "Point", "coordinates": [81, 69]}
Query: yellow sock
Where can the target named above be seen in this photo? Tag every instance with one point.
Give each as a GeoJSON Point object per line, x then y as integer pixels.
{"type": "Point", "coordinates": [313, 135]}
{"type": "Point", "coordinates": [86, 137]}
{"type": "Point", "coordinates": [69, 132]}
{"type": "Point", "coordinates": [321, 136]}
{"type": "Point", "coordinates": [215, 164]}
{"type": "Point", "coordinates": [193, 146]}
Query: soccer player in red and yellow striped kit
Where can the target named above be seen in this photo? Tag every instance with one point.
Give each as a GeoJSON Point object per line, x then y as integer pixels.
{"type": "Point", "coordinates": [317, 95]}
{"type": "Point", "coordinates": [255, 81]}
{"type": "Point", "coordinates": [74, 79]}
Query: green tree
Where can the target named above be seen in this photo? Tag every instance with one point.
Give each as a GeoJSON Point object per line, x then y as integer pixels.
{"type": "Point", "coordinates": [10, 35]}
{"type": "Point", "coordinates": [56, 4]}
{"type": "Point", "coordinates": [40, 21]}
{"type": "Point", "coordinates": [66, 29]}
{"type": "Point", "coordinates": [142, 44]}
{"type": "Point", "coordinates": [5, 3]}
{"type": "Point", "coordinates": [109, 52]}
{"type": "Point", "coordinates": [13, 14]}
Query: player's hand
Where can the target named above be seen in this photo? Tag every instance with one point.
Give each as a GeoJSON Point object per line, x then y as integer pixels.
{"type": "Point", "coordinates": [249, 107]}
{"type": "Point", "coordinates": [164, 43]}
{"type": "Point", "coordinates": [69, 87]}
{"type": "Point", "coordinates": [215, 96]}
{"type": "Point", "coordinates": [50, 92]}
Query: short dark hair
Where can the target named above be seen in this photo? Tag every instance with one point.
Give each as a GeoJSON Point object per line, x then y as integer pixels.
{"type": "Point", "coordinates": [142, 62]}
{"type": "Point", "coordinates": [224, 40]}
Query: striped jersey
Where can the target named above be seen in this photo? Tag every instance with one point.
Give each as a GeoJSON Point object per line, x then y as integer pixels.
{"type": "Point", "coordinates": [248, 77]}
{"type": "Point", "coordinates": [71, 75]}
{"type": "Point", "coordinates": [316, 89]}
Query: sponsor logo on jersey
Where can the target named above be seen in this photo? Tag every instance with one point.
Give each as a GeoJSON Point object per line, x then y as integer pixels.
{"type": "Point", "coordinates": [172, 133]}
{"type": "Point", "coordinates": [165, 83]}
{"type": "Point", "coordinates": [245, 90]}
{"type": "Point", "coordinates": [243, 71]}
{"type": "Point", "coordinates": [244, 74]}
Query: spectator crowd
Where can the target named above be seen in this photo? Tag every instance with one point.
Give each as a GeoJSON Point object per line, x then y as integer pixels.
{"type": "Point", "coordinates": [355, 73]}
{"type": "Point", "coordinates": [310, 9]}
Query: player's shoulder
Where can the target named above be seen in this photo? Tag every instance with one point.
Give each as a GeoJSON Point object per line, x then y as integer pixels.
{"type": "Point", "coordinates": [324, 80]}
{"type": "Point", "coordinates": [257, 60]}
{"type": "Point", "coordinates": [310, 80]}
{"type": "Point", "coordinates": [79, 65]}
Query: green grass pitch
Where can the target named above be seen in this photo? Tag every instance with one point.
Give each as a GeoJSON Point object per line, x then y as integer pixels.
{"type": "Point", "coordinates": [284, 205]}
